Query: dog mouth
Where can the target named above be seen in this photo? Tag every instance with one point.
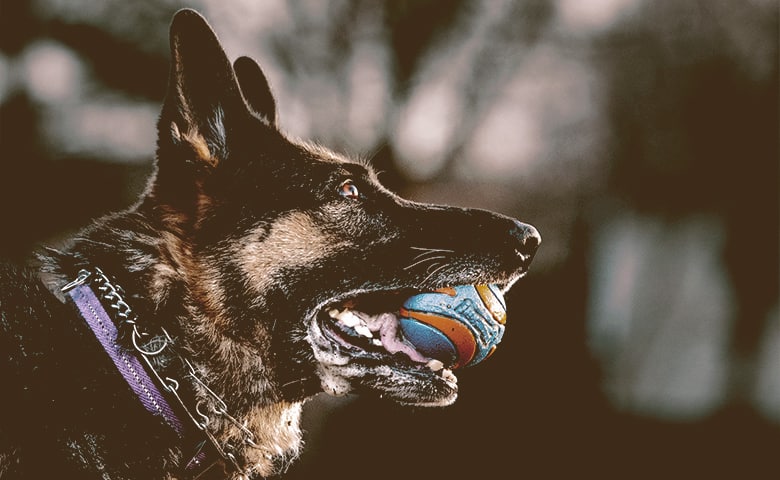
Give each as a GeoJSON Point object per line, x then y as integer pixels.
{"type": "Point", "coordinates": [359, 342]}
{"type": "Point", "coordinates": [369, 326]}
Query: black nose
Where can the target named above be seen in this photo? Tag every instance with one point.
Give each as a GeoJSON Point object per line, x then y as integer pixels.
{"type": "Point", "coordinates": [528, 240]}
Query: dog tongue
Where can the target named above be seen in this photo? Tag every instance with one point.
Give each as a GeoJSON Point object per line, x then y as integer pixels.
{"type": "Point", "coordinates": [390, 336]}
{"type": "Point", "coordinates": [385, 324]}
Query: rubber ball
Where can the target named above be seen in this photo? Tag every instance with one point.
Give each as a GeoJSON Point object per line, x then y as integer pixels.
{"type": "Point", "coordinates": [460, 326]}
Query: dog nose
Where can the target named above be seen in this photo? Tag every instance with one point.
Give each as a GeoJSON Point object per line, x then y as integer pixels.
{"type": "Point", "coordinates": [528, 240]}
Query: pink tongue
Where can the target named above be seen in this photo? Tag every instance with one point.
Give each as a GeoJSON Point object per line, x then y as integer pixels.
{"type": "Point", "coordinates": [388, 327]}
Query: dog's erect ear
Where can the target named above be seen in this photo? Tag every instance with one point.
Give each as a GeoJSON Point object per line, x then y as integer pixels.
{"type": "Point", "coordinates": [203, 103]}
{"type": "Point", "coordinates": [256, 89]}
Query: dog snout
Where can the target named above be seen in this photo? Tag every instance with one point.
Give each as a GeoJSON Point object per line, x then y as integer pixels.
{"type": "Point", "coordinates": [528, 240]}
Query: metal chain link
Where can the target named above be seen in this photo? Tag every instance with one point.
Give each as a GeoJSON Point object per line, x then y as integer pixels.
{"type": "Point", "coordinates": [149, 346]}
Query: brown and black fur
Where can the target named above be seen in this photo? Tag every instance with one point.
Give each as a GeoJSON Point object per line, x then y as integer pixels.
{"type": "Point", "coordinates": [240, 241]}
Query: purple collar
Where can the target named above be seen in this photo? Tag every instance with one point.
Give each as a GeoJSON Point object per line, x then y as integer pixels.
{"type": "Point", "coordinates": [91, 307]}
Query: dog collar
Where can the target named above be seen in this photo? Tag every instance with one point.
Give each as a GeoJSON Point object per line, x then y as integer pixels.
{"type": "Point", "coordinates": [144, 379]}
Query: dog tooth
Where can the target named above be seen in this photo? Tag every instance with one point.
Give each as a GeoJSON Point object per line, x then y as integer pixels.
{"type": "Point", "coordinates": [348, 318]}
{"type": "Point", "coordinates": [363, 330]}
{"type": "Point", "coordinates": [435, 365]}
{"type": "Point", "coordinates": [377, 342]}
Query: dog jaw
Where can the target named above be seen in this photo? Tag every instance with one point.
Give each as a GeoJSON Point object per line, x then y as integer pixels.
{"type": "Point", "coordinates": [394, 376]}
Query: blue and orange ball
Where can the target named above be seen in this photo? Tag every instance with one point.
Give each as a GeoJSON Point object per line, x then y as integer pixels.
{"type": "Point", "coordinates": [459, 326]}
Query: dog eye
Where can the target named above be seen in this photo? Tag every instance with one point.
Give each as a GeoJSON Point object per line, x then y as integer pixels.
{"type": "Point", "coordinates": [349, 190]}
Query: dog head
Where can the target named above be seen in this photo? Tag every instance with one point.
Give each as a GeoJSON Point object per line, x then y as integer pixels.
{"type": "Point", "coordinates": [272, 234]}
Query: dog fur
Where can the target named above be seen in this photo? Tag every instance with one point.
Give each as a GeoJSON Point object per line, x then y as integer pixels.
{"type": "Point", "coordinates": [243, 238]}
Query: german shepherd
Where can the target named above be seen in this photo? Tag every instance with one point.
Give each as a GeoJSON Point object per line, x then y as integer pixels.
{"type": "Point", "coordinates": [241, 243]}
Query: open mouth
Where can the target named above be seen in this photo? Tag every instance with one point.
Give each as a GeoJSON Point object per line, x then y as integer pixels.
{"type": "Point", "coordinates": [415, 338]}
{"type": "Point", "coordinates": [368, 326]}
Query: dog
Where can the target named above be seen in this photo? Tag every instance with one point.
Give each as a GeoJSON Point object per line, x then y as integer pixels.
{"type": "Point", "coordinates": [214, 290]}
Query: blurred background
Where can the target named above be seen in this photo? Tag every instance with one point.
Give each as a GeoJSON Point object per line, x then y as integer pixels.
{"type": "Point", "coordinates": [639, 136]}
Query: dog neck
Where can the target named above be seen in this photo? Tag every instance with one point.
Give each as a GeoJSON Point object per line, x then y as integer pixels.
{"type": "Point", "coordinates": [164, 290]}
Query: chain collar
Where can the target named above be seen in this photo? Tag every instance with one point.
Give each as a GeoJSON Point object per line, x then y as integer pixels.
{"type": "Point", "coordinates": [150, 345]}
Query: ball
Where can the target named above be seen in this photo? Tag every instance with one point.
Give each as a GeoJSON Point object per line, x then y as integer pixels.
{"type": "Point", "coordinates": [460, 326]}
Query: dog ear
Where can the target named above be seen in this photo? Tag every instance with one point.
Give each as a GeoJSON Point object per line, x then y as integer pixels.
{"type": "Point", "coordinates": [203, 103]}
{"type": "Point", "coordinates": [256, 90]}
